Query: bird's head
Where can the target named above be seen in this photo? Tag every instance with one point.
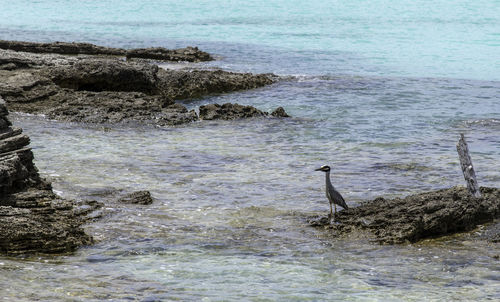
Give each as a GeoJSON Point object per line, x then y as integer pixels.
{"type": "Point", "coordinates": [323, 168]}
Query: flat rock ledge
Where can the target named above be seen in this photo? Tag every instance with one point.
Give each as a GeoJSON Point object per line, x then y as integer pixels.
{"type": "Point", "coordinates": [97, 89]}
{"type": "Point", "coordinates": [188, 54]}
{"type": "Point", "coordinates": [32, 218]}
{"type": "Point", "coordinates": [416, 217]}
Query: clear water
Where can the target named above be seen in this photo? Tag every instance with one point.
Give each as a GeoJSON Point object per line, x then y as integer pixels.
{"type": "Point", "coordinates": [381, 93]}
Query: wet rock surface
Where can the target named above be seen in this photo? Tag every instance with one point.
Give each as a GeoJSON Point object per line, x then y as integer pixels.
{"type": "Point", "coordinates": [139, 197]}
{"type": "Point", "coordinates": [32, 218]}
{"type": "Point", "coordinates": [189, 54]}
{"type": "Point", "coordinates": [110, 90]}
{"type": "Point", "coordinates": [228, 111]}
{"type": "Point", "coordinates": [279, 112]}
{"type": "Point", "coordinates": [416, 217]}
{"type": "Point", "coordinates": [188, 84]}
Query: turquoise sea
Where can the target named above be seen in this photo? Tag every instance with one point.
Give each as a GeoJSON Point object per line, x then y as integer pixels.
{"type": "Point", "coordinates": [379, 90]}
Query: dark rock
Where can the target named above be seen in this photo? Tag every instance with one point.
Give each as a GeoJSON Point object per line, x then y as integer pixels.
{"type": "Point", "coordinates": [228, 111]}
{"type": "Point", "coordinates": [188, 54]}
{"type": "Point", "coordinates": [106, 75]}
{"type": "Point", "coordinates": [279, 112]}
{"type": "Point", "coordinates": [14, 142]}
{"type": "Point", "coordinates": [139, 197]}
{"type": "Point", "coordinates": [4, 123]}
{"type": "Point", "coordinates": [60, 48]}
{"type": "Point", "coordinates": [189, 84]}
{"type": "Point", "coordinates": [32, 218]}
{"type": "Point", "coordinates": [110, 90]}
{"type": "Point", "coordinates": [420, 216]}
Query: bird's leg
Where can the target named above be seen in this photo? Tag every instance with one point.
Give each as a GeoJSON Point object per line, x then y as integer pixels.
{"type": "Point", "coordinates": [331, 211]}
{"type": "Point", "coordinates": [335, 210]}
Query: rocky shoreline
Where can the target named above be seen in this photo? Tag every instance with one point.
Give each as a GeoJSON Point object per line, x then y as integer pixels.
{"type": "Point", "coordinates": [97, 89]}
{"type": "Point", "coordinates": [32, 218]}
{"type": "Point", "coordinates": [87, 83]}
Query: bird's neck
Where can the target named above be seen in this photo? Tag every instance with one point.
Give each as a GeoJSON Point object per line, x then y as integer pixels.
{"type": "Point", "coordinates": [327, 178]}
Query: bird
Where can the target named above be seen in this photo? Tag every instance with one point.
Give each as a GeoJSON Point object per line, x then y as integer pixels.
{"type": "Point", "coordinates": [331, 193]}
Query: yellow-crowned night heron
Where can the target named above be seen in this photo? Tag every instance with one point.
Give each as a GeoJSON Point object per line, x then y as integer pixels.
{"type": "Point", "coordinates": [333, 195]}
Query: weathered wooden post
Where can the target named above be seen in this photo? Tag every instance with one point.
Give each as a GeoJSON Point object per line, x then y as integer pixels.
{"type": "Point", "coordinates": [467, 169]}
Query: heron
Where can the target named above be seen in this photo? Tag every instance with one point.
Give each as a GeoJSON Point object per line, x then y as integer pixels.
{"type": "Point", "coordinates": [333, 195]}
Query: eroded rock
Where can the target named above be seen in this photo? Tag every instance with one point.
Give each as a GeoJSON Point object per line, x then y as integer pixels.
{"type": "Point", "coordinates": [229, 111]}
{"type": "Point", "coordinates": [416, 217]}
{"type": "Point", "coordinates": [105, 75]}
{"type": "Point", "coordinates": [32, 218]}
{"type": "Point", "coordinates": [189, 84]}
{"type": "Point", "coordinates": [110, 90]}
{"type": "Point", "coordinates": [190, 54]}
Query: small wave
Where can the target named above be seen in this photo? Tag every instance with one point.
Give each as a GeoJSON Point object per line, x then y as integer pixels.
{"type": "Point", "coordinates": [492, 122]}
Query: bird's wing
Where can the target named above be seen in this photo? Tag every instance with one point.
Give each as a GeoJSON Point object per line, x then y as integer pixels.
{"type": "Point", "coordinates": [338, 199]}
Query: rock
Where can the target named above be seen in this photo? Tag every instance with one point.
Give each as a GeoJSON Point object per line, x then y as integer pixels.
{"type": "Point", "coordinates": [32, 218]}
{"type": "Point", "coordinates": [279, 112]}
{"type": "Point", "coordinates": [139, 197]}
{"type": "Point", "coordinates": [189, 84]}
{"type": "Point", "coordinates": [110, 90]}
{"type": "Point", "coordinates": [228, 111]}
{"type": "Point", "coordinates": [419, 216]}
{"type": "Point", "coordinates": [105, 75]}
{"type": "Point", "coordinates": [190, 54]}
{"type": "Point", "coordinates": [60, 48]}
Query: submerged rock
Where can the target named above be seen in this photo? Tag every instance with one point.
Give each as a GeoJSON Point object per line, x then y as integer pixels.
{"type": "Point", "coordinates": [419, 216]}
{"type": "Point", "coordinates": [190, 54]}
{"type": "Point", "coordinates": [139, 197]}
{"type": "Point", "coordinates": [279, 112]}
{"type": "Point", "coordinates": [32, 218]}
{"type": "Point", "coordinates": [230, 111]}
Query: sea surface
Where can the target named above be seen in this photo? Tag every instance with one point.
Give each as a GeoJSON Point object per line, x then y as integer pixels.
{"type": "Point", "coordinates": [379, 90]}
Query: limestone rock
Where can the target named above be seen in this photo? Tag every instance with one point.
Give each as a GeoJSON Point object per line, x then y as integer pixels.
{"type": "Point", "coordinates": [32, 218]}
{"type": "Point", "coordinates": [189, 84]}
{"type": "Point", "coordinates": [108, 89]}
{"type": "Point", "coordinates": [106, 75]}
{"type": "Point", "coordinates": [190, 54]}
{"type": "Point", "coordinates": [419, 216]}
{"type": "Point", "coordinates": [228, 111]}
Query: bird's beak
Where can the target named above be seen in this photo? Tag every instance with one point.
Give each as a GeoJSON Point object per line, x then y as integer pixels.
{"type": "Point", "coordinates": [319, 169]}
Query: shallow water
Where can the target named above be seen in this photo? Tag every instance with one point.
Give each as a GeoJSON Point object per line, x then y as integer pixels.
{"type": "Point", "coordinates": [381, 92]}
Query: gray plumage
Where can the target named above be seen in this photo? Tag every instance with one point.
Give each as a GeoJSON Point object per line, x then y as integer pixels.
{"type": "Point", "coordinates": [332, 194]}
